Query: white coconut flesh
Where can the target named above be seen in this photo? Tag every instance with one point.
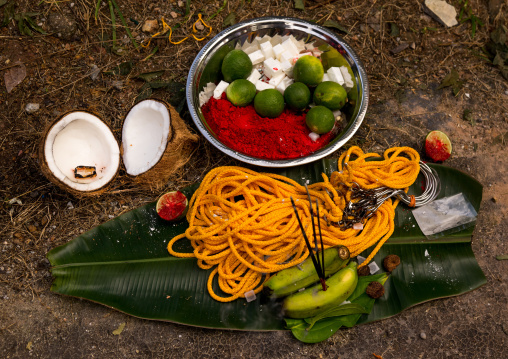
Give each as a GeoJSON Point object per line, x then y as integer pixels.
{"type": "Point", "coordinates": [144, 136]}
{"type": "Point", "coordinates": [81, 140]}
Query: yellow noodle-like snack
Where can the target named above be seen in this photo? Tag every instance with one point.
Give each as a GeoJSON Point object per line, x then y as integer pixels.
{"type": "Point", "coordinates": [242, 222]}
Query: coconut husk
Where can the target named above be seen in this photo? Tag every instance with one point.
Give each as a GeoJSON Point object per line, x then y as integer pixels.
{"type": "Point", "coordinates": [53, 179]}
{"type": "Point", "coordinates": [179, 149]}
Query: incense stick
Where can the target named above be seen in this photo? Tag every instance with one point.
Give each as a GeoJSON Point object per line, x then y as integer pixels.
{"type": "Point", "coordinates": [317, 265]}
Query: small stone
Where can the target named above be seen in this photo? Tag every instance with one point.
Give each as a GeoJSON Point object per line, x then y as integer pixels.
{"type": "Point", "coordinates": [94, 73]}
{"type": "Point", "coordinates": [423, 335]}
{"type": "Point", "coordinates": [442, 12]}
{"type": "Point", "coordinates": [63, 26]}
{"type": "Point", "coordinates": [413, 45]}
{"type": "Point", "coordinates": [150, 26]}
{"type": "Point", "coordinates": [180, 3]}
{"type": "Point", "coordinates": [32, 107]}
{"type": "Point", "coordinates": [200, 26]}
{"type": "Point", "coordinates": [399, 48]}
{"type": "Point", "coordinates": [118, 84]}
{"type": "Point", "coordinates": [70, 205]}
{"type": "Point", "coordinates": [173, 14]}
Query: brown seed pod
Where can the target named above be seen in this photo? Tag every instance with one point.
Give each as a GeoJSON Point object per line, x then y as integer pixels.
{"type": "Point", "coordinates": [375, 290]}
{"type": "Point", "coordinates": [391, 262]}
{"type": "Point", "coordinates": [363, 271]}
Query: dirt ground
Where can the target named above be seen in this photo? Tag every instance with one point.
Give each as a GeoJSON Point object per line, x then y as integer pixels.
{"type": "Point", "coordinates": [58, 72]}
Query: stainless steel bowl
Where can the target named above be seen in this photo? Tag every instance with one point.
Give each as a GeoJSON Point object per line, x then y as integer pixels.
{"type": "Point", "coordinates": [206, 68]}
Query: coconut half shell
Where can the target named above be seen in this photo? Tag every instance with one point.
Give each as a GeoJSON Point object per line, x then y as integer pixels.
{"type": "Point", "coordinates": [155, 143]}
{"type": "Point", "coordinates": [79, 154]}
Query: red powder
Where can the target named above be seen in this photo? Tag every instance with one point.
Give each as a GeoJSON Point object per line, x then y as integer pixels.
{"type": "Point", "coordinates": [243, 130]}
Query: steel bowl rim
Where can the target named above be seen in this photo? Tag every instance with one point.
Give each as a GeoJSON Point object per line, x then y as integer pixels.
{"type": "Point", "coordinates": [263, 21]}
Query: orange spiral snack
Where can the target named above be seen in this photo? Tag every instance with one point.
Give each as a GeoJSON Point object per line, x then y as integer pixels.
{"type": "Point", "coordinates": [242, 222]}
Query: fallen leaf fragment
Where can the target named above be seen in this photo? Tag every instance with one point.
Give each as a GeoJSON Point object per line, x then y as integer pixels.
{"type": "Point", "coordinates": [119, 330]}
{"type": "Point", "coordinates": [14, 76]}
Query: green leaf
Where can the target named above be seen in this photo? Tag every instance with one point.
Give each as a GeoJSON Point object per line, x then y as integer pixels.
{"type": "Point", "coordinates": [33, 25]}
{"type": "Point", "coordinates": [502, 257]}
{"type": "Point", "coordinates": [299, 5]}
{"type": "Point", "coordinates": [335, 25]}
{"type": "Point", "coordinates": [343, 309]}
{"type": "Point", "coordinates": [450, 79]}
{"type": "Point", "coordinates": [124, 264]}
{"type": "Point", "coordinates": [230, 20]}
{"type": "Point", "coordinates": [149, 76]}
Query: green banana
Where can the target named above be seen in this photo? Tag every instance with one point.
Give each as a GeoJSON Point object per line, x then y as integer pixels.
{"type": "Point", "coordinates": [292, 279]}
{"type": "Point", "coordinates": [313, 300]}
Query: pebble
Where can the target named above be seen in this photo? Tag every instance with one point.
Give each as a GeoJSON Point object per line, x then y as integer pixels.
{"type": "Point", "coordinates": [70, 205]}
{"type": "Point", "coordinates": [32, 107]}
{"type": "Point", "coordinates": [423, 335]}
{"type": "Point", "coordinates": [94, 74]}
{"type": "Point", "coordinates": [150, 26]}
{"type": "Point", "coordinates": [65, 27]}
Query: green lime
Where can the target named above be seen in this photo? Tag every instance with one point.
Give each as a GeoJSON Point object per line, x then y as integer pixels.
{"type": "Point", "coordinates": [297, 96]}
{"type": "Point", "coordinates": [309, 70]}
{"type": "Point", "coordinates": [330, 94]}
{"type": "Point", "coordinates": [241, 92]}
{"type": "Point", "coordinates": [320, 119]}
{"type": "Point", "coordinates": [236, 65]}
{"type": "Point", "coordinates": [269, 103]}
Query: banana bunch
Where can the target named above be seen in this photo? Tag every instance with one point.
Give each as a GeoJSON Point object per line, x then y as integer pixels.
{"type": "Point", "coordinates": [342, 281]}
{"type": "Point", "coordinates": [293, 279]}
{"type": "Point", "coordinates": [313, 300]}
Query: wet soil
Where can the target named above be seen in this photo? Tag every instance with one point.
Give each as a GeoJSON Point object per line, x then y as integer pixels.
{"type": "Point", "coordinates": [406, 102]}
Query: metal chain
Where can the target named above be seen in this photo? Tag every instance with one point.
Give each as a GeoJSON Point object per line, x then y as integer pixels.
{"type": "Point", "coordinates": [365, 202]}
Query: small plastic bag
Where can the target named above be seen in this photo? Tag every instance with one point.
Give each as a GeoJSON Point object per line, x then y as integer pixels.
{"type": "Point", "coordinates": [445, 216]}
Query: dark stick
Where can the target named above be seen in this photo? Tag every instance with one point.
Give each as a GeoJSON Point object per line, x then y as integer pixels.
{"type": "Point", "coordinates": [318, 268]}
{"type": "Point", "coordinates": [313, 226]}
{"type": "Point", "coordinates": [322, 248]}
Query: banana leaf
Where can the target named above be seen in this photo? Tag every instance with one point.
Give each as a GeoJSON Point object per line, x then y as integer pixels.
{"type": "Point", "coordinates": [124, 264]}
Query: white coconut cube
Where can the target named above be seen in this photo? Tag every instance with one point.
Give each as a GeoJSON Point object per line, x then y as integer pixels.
{"type": "Point", "coordinates": [260, 86]}
{"type": "Point", "coordinates": [277, 51]}
{"type": "Point", "coordinates": [348, 80]}
{"type": "Point", "coordinates": [287, 68]}
{"type": "Point", "coordinates": [276, 40]}
{"type": "Point", "coordinates": [257, 57]}
{"type": "Point", "coordinates": [290, 46]}
{"type": "Point", "coordinates": [337, 114]}
{"type": "Point", "coordinates": [219, 90]}
{"type": "Point", "coordinates": [287, 56]}
{"type": "Point", "coordinates": [335, 75]}
{"type": "Point", "coordinates": [314, 136]}
{"type": "Point", "coordinates": [265, 39]}
{"type": "Point", "coordinates": [250, 49]}
{"type": "Point", "coordinates": [238, 46]}
{"type": "Point", "coordinates": [272, 67]}
{"type": "Point", "coordinates": [267, 50]}
{"type": "Point", "coordinates": [276, 80]}
{"type": "Point", "coordinates": [300, 45]}
{"type": "Point", "coordinates": [325, 78]}
{"type": "Point", "coordinates": [254, 76]}
{"type": "Point", "coordinates": [283, 85]}
{"type": "Point", "coordinates": [284, 38]}
{"type": "Point", "coordinates": [310, 46]}
{"type": "Point", "coordinates": [295, 58]}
